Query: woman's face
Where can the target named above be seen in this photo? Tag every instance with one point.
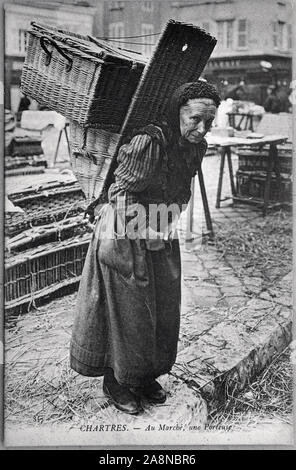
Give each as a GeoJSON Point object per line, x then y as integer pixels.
{"type": "Point", "coordinates": [196, 118]}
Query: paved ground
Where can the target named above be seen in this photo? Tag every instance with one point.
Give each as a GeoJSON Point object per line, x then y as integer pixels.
{"type": "Point", "coordinates": [231, 326]}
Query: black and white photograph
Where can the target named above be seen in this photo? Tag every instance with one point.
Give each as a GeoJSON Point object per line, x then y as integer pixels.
{"type": "Point", "coordinates": [148, 223]}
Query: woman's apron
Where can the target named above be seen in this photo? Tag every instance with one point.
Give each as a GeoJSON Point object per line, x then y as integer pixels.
{"type": "Point", "coordinates": [128, 307]}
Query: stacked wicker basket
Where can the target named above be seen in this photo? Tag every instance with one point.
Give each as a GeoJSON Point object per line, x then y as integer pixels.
{"type": "Point", "coordinates": [105, 93]}
{"type": "Point", "coordinates": [45, 245]}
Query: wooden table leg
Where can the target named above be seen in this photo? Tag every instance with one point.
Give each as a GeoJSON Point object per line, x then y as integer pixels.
{"type": "Point", "coordinates": [276, 166]}
{"type": "Point", "coordinates": [189, 221]}
{"type": "Point", "coordinates": [57, 147]}
{"type": "Point", "coordinates": [240, 123]}
{"type": "Point", "coordinates": [229, 160]}
{"type": "Point", "coordinates": [268, 178]}
{"type": "Point", "coordinates": [205, 202]}
{"type": "Point", "coordinates": [68, 143]}
{"type": "Point", "coordinates": [219, 190]}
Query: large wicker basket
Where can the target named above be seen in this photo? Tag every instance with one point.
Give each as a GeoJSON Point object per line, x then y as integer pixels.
{"type": "Point", "coordinates": [87, 93]}
{"type": "Point", "coordinates": [180, 56]}
{"type": "Point", "coordinates": [87, 81]}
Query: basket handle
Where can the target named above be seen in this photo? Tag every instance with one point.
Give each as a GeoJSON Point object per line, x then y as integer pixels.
{"type": "Point", "coordinates": [48, 53]}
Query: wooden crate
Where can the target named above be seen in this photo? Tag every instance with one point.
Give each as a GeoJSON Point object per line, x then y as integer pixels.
{"type": "Point", "coordinates": [257, 160]}
{"type": "Point", "coordinates": [251, 184]}
{"type": "Point", "coordinates": [57, 231]}
{"type": "Point", "coordinates": [84, 79]}
{"type": "Point", "coordinates": [24, 145]}
{"type": "Point", "coordinates": [44, 206]}
{"type": "Point", "coordinates": [36, 272]}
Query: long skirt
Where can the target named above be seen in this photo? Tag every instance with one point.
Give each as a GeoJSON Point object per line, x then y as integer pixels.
{"type": "Point", "coordinates": [128, 309]}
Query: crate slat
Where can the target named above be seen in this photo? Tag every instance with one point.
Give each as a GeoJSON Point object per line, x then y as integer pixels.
{"type": "Point", "coordinates": [33, 266]}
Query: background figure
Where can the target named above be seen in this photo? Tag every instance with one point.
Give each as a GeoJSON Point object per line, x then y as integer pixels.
{"type": "Point", "coordinates": [237, 93]}
{"type": "Point", "coordinates": [272, 103]}
{"type": "Point", "coordinates": [283, 96]}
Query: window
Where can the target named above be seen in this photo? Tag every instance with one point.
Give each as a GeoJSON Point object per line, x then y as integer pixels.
{"type": "Point", "coordinates": [286, 37]}
{"type": "Point", "coordinates": [116, 5]}
{"type": "Point", "coordinates": [290, 36]}
{"type": "Point", "coordinates": [147, 6]}
{"type": "Point", "coordinates": [242, 34]}
{"type": "Point", "coordinates": [225, 34]}
{"type": "Point", "coordinates": [275, 35]}
{"type": "Point", "coordinates": [147, 41]}
{"type": "Point", "coordinates": [22, 41]}
{"type": "Point", "coordinates": [116, 31]}
{"type": "Point", "coordinates": [281, 34]}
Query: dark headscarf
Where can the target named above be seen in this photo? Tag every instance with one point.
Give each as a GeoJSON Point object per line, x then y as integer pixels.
{"type": "Point", "coordinates": [192, 90]}
{"type": "Point", "coordinates": [170, 123]}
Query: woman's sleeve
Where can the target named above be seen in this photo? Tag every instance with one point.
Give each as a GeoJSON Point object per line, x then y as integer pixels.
{"type": "Point", "coordinates": [137, 163]}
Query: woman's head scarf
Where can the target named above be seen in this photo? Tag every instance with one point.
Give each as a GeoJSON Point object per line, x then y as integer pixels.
{"type": "Point", "coordinates": [191, 90]}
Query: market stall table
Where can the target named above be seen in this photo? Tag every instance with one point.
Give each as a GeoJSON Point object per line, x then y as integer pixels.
{"type": "Point", "coordinates": [227, 143]}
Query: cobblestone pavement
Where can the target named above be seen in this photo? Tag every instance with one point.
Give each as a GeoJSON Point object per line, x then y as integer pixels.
{"type": "Point", "coordinates": [230, 329]}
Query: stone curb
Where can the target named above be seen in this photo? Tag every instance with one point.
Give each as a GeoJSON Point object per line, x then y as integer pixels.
{"type": "Point", "coordinates": [223, 355]}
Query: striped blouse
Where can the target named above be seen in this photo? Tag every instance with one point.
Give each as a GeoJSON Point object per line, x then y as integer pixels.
{"type": "Point", "coordinates": [138, 164]}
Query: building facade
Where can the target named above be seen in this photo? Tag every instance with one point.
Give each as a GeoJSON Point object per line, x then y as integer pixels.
{"type": "Point", "coordinates": [77, 17]}
{"type": "Point", "coordinates": [254, 36]}
{"type": "Point", "coordinates": [138, 22]}
{"type": "Point", "coordinates": [254, 39]}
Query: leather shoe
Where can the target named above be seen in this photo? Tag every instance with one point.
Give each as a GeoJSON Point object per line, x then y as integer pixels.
{"type": "Point", "coordinates": [122, 398]}
{"type": "Point", "coordinates": [153, 392]}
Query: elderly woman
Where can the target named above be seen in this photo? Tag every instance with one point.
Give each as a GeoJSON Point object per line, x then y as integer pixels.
{"type": "Point", "coordinates": [128, 308]}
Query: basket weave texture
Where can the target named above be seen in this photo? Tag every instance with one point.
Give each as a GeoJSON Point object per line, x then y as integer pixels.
{"type": "Point", "coordinates": [180, 56]}
{"type": "Point", "coordinates": [86, 81]}
{"type": "Point", "coordinates": [44, 207]}
{"type": "Point", "coordinates": [36, 236]}
{"type": "Point", "coordinates": [107, 93]}
{"type": "Point", "coordinates": [91, 156]}
{"type": "Point", "coordinates": [23, 161]}
{"type": "Point", "coordinates": [31, 272]}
